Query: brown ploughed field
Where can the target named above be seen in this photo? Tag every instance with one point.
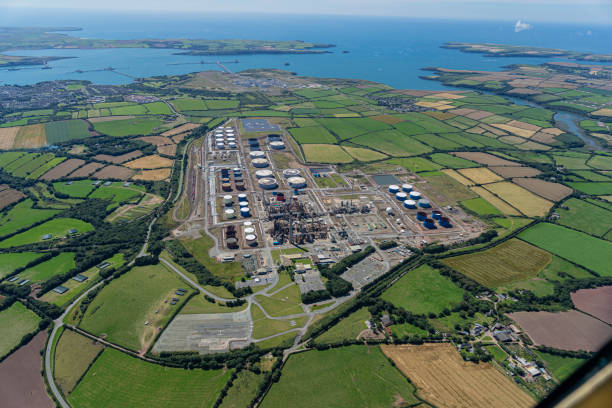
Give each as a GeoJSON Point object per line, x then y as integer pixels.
{"type": "Point", "coordinates": [118, 159]}
{"type": "Point", "coordinates": [596, 302]}
{"type": "Point", "coordinates": [443, 379]}
{"type": "Point", "coordinates": [63, 169]}
{"type": "Point", "coordinates": [113, 171]}
{"type": "Point", "coordinates": [546, 189]}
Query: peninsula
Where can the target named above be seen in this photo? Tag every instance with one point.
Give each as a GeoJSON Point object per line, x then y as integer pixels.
{"type": "Point", "coordinates": [504, 50]}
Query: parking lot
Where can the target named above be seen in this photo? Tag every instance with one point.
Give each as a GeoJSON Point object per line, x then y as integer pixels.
{"type": "Point", "coordinates": [310, 280]}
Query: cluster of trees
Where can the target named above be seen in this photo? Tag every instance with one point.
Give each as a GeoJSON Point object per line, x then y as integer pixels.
{"type": "Point", "coordinates": [345, 263]}
{"type": "Point", "coordinates": [112, 146]}
{"type": "Point", "coordinates": [204, 277]}
{"type": "Point", "coordinates": [315, 296]}
{"type": "Point", "coordinates": [483, 238]}
{"type": "Point", "coordinates": [459, 279]}
{"type": "Point", "coordinates": [387, 245]}
{"type": "Point", "coordinates": [565, 353]}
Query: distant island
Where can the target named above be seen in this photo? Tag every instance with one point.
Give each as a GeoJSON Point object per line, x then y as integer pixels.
{"type": "Point", "coordinates": [504, 50]}
{"type": "Point", "coordinates": [40, 38]}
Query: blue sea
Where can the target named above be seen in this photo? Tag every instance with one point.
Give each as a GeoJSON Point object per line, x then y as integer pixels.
{"type": "Point", "coordinates": [383, 49]}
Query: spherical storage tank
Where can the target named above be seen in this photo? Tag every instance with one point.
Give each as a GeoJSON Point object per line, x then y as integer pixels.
{"type": "Point", "coordinates": [264, 174]}
{"type": "Point", "coordinates": [227, 200]}
{"type": "Point", "coordinates": [230, 213]}
{"type": "Point", "coordinates": [296, 182]}
{"type": "Point", "coordinates": [267, 183]}
{"type": "Point", "coordinates": [415, 195]}
{"type": "Point", "coordinates": [245, 212]}
{"type": "Point", "coordinates": [288, 173]}
{"type": "Point", "coordinates": [257, 154]}
{"type": "Point", "coordinates": [277, 145]}
{"type": "Point", "coordinates": [411, 204]}
{"type": "Point", "coordinates": [423, 203]}
{"type": "Point", "coordinates": [242, 198]}
{"type": "Point", "coordinates": [407, 188]}
{"type": "Point", "coordinates": [401, 196]}
{"type": "Point", "coordinates": [393, 189]}
{"type": "Point", "coordinates": [259, 163]}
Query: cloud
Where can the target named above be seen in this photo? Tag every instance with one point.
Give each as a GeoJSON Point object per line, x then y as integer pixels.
{"type": "Point", "coordinates": [520, 26]}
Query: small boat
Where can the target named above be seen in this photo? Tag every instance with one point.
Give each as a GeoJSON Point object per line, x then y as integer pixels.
{"type": "Point", "coordinates": [286, 64]}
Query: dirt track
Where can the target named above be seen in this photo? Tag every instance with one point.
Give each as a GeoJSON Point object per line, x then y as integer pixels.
{"type": "Point", "coordinates": [21, 384]}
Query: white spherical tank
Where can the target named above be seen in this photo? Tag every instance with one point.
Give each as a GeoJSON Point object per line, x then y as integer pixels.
{"type": "Point", "coordinates": [291, 173]}
{"type": "Point", "coordinates": [264, 174]}
{"type": "Point", "coordinates": [277, 145]}
{"type": "Point", "coordinates": [259, 163]}
{"type": "Point", "coordinates": [267, 183]}
{"type": "Point", "coordinates": [230, 213]}
{"type": "Point", "coordinates": [296, 182]}
{"type": "Point", "coordinates": [257, 154]}
{"type": "Point", "coordinates": [401, 196]}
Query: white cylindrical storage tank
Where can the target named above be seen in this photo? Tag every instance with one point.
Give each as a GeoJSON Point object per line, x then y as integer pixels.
{"type": "Point", "coordinates": [267, 183]}
{"type": "Point", "coordinates": [401, 196]}
{"type": "Point", "coordinates": [277, 145]}
{"type": "Point", "coordinates": [264, 174]}
{"type": "Point", "coordinates": [257, 154]}
{"type": "Point", "coordinates": [247, 224]}
{"type": "Point", "coordinates": [296, 182]}
{"type": "Point", "coordinates": [407, 188]}
{"type": "Point", "coordinates": [232, 145]}
{"type": "Point", "coordinates": [243, 204]}
{"type": "Point", "coordinates": [389, 210]}
{"type": "Point", "coordinates": [411, 204]}
{"type": "Point", "coordinates": [230, 213]}
{"type": "Point", "coordinates": [242, 198]}
{"type": "Point", "coordinates": [251, 239]}
{"type": "Point", "coordinates": [249, 231]}
{"type": "Point", "coordinates": [228, 200]}
{"type": "Point", "coordinates": [220, 146]}
{"type": "Point", "coordinates": [393, 188]}
{"type": "Point", "coordinates": [230, 139]}
{"type": "Point", "coordinates": [259, 163]}
{"type": "Point", "coordinates": [424, 203]}
{"type": "Point", "coordinates": [245, 212]}
{"type": "Point", "coordinates": [291, 173]}
{"type": "Point", "coordinates": [415, 195]}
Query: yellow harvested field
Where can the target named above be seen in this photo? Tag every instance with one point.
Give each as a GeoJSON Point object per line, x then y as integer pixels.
{"type": "Point", "coordinates": [477, 115]}
{"type": "Point", "coordinates": [168, 150]}
{"type": "Point", "coordinates": [452, 173]}
{"type": "Point", "coordinates": [603, 112]}
{"type": "Point", "coordinates": [7, 137]}
{"type": "Point", "coordinates": [178, 138]}
{"type": "Point", "coordinates": [30, 136]}
{"type": "Point", "coordinates": [443, 379]}
{"type": "Point", "coordinates": [523, 125]}
{"type": "Point", "coordinates": [543, 137]}
{"type": "Point", "coordinates": [110, 118]}
{"type": "Point", "coordinates": [388, 119]}
{"type": "Point", "coordinates": [153, 175]}
{"type": "Point", "coordinates": [156, 140]}
{"type": "Point", "coordinates": [501, 205]}
{"type": "Point", "coordinates": [153, 161]}
{"type": "Point", "coordinates": [364, 155]}
{"type": "Point", "coordinates": [477, 130]}
{"type": "Point", "coordinates": [447, 95]}
{"type": "Point", "coordinates": [428, 104]}
{"type": "Point", "coordinates": [346, 115]}
{"type": "Point", "coordinates": [512, 140]}
{"type": "Point", "coordinates": [480, 175]}
{"type": "Point", "coordinates": [180, 129]}
{"type": "Point", "coordinates": [526, 202]}
{"type": "Point", "coordinates": [553, 131]}
{"type": "Point", "coordinates": [514, 130]}
{"type": "Point", "coordinates": [444, 107]}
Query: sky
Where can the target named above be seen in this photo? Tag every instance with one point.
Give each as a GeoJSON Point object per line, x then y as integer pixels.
{"type": "Point", "coordinates": [576, 11]}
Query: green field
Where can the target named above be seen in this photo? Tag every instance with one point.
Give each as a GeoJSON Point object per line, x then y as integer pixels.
{"type": "Point", "coordinates": [57, 265]}
{"type": "Point", "coordinates": [145, 385]}
{"type": "Point", "coordinates": [508, 262]}
{"type": "Point", "coordinates": [577, 247]}
{"type": "Point", "coordinates": [453, 162]}
{"type": "Point", "coordinates": [585, 217]}
{"type": "Point", "coordinates": [392, 143]}
{"type": "Point", "coordinates": [348, 328]}
{"type": "Point", "coordinates": [560, 367]}
{"type": "Point", "coordinates": [45, 167]}
{"type": "Point", "coordinates": [78, 188]}
{"type": "Point", "coordinates": [312, 134]}
{"type": "Point", "coordinates": [363, 155]}
{"type": "Point", "coordinates": [129, 127]}
{"type": "Point", "coordinates": [423, 290]}
{"type": "Point", "coordinates": [600, 162]}
{"type": "Point", "coordinates": [497, 353]}
{"type": "Point", "coordinates": [157, 108]}
{"type": "Point", "coordinates": [243, 390]}
{"type": "Point", "coordinates": [27, 168]}
{"type": "Point", "coordinates": [355, 376]}
{"type": "Point", "coordinates": [73, 355]}
{"type": "Point", "coordinates": [286, 302]}
{"type": "Point", "coordinates": [189, 104]}
{"type": "Point", "coordinates": [264, 327]}
{"type": "Point", "coordinates": [199, 247]}
{"type": "Point", "coordinates": [480, 206]}
{"type": "Point", "coordinates": [117, 193]}
{"type": "Point", "coordinates": [65, 130]}
{"type": "Point", "coordinates": [350, 127]}
{"type": "Point", "coordinates": [198, 305]}
{"type": "Point", "coordinates": [601, 188]}
{"type": "Point", "coordinates": [58, 227]}
{"type": "Point", "coordinates": [406, 329]}
{"type": "Point", "coordinates": [22, 215]}
{"type": "Point", "coordinates": [15, 322]}
{"type": "Point", "coordinates": [121, 309]}
{"type": "Point", "coordinates": [325, 153]}
{"type": "Point", "coordinates": [11, 261]}
{"type": "Point", "coordinates": [415, 164]}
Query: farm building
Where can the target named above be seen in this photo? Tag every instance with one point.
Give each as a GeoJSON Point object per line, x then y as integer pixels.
{"type": "Point", "coordinates": [60, 289]}
{"type": "Point", "coordinates": [80, 278]}
{"type": "Point", "coordinates": [72, 231]}
{"type": "Point", "coordinates": [46, 237]}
